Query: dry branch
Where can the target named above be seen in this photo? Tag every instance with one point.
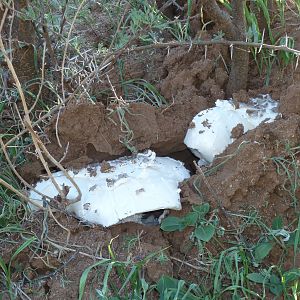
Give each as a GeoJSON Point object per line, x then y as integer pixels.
{"type": "Point", "coordinates": [21, 195]}
{"type": "Point", "coordinates": [28, 124]}
{"type": "Point", "coordinates": [219, 16]}
{"type": "Point", "coordinates": [24, 182]}
{"type": "Point", "coordinates": [234, 28]}
{"type": "Point", "coordinates": [217, 42]}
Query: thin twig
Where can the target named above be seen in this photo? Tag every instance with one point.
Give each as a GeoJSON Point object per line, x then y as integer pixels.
{"type": "Point", "coordinates": [66, 49]}
{"type": "Point", "coordinates": [63, 18]}
{"type": "Point", "coordinates": [58, 165]}
{"type": "Point", "coordinates": [48, 42]}
{"type": "Point", "coordinates": [21, 195]}
{"type": "Point", "coordinates": [3, 19]}
{"type": "Point", "coordinates": [56, 129]}
{"type": "Point", "coordinates": [190, 265]}
{"type": "Point", "coordinates": [42, 80]}
{"type": "Point", "coordinates": [24, 182]}
{"type": "Point", "coordinates": [64, 248]}
{"type": "Point", "coordinates": [62, 226]}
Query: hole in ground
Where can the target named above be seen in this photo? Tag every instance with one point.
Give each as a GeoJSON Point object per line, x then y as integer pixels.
{"type": "Point", "coordinates": [187, 157]}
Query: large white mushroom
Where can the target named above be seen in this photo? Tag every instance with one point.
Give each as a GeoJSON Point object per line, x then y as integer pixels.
{"type": "Point", "coordinates": [211, 130]}
{"type": "Point", "coordinates": [115, 190]}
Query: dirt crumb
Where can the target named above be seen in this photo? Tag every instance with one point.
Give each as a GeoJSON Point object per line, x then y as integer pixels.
{"type": "Point", "coordinates": [237, 131]}
{"type": "Point", "coordinates": [187, 76]}
{"type": "Point", "coordinates": [290, 101]}
{"type": "Point", "coordinates": [205, 123]}
{"type": "Point", "coordinates": [241, 96]}
{"type": "Point", "coordinates": [192, 125]}
{"type": "Point", "coordinates": [105, 167]}
{"type": "Point", "coordinates": [221, 77]}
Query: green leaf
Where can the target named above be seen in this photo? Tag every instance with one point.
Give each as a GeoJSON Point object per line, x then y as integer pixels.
{"type": "Point", "coordinates": [277, 223]}
{"type": "Point", "coordinates": [257, 278]}
{"type": "Point", "coordinates": [166, 282]}
{"type": "Point", "coordinates": [104, 290]}
{"type": "Point", "coordinates": [262, 250]}
{"type": "Point", "coordinates": [190, 219]}
{"type": "Point", "coordinates": [172, 224]}
{"type": "Point", "coordinates": [205, 232]}
{"type": "Point", "coordinates": [291, 275]}
{"type": "Point", "coordinates": [275, 285]}
{"type": "Point", "coordinates": [202, 209]}
{"type": "Point", "coordinates": [170, 288]}
{"type": "Point", "coordinates": [7, 274]}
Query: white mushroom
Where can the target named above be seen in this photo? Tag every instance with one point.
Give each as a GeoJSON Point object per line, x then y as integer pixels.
{"type": "Point", "coordinates": [211, 129]}
{"type": "Point", "coordinates": [130, 186]}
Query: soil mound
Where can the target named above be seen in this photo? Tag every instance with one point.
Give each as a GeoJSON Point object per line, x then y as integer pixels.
{"type": "Point", "coordinates": [290, 101]}
{"type": "Point", "coordinates": [92, 133]}
{"type": "Point", "coordinates": [194, 73]}
{"type": "Point", "coordinates": [246, 174]}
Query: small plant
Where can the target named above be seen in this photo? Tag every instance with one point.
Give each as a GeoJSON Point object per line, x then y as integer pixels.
{"type": "Point", "coordinates": [132, 284]}
{"type": "Point", "coordinates": [170, 288]}
{"type": "Point", "coordinates": [287, 166]}
{"type": "Point", "coordinates": [141, 91]}
{"type": "Point", "coordinates": [204, 229]}
{"type": "Point", "coordinates": [7, 268]}
{"type": "Point", "coordinates": [277, 282]}
{"type": "Point", "coordinates": [162, 258]}
{"type": "Point", "coordinates": [127, 133]}
{"type": "Point", "coordinates": [130, 242]}
{"type": "Point", "coordinates": [145, 21]}
{"type": "Point", "coordinates": [11, 208]}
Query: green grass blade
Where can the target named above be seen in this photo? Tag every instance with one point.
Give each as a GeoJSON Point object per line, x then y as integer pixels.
{"type": "Point", "coordinates": [85, 274]}
{"type": "Point", "coordinates": [3, 265]}
{"type": "Point", "coordinates": [296, 243]}
{"type": "Point", "coordinates": [22, 247]}
{"type": "Point", "coordinates": [105, 279]}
